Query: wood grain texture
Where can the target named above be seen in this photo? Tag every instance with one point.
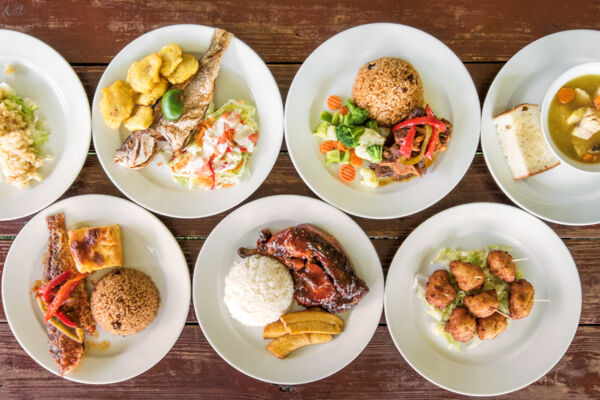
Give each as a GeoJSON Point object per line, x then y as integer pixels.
{"type": "Point", "coordinates": [192, 369]}
{"type": "Point", "coordinates": [289, 30]}
{"type": "Point", "coordinates": [583, 250]}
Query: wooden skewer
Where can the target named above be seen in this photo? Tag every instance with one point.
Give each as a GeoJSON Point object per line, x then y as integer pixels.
{"type": "Point", "coordinates": [520, 259]}
{"type": "Point", "coordinates": [543, 300]}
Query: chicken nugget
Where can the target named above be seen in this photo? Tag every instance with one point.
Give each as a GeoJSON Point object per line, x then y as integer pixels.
{"type": "Point", "coordinates": [439, 291]}
{"type": "Point", "coordinates": [143, 75]}
{"type": "Point", "coordinates": [484, 304]}
{"type": "Point", "coordinates": [468, 276]}
{"type": "Point", "coordinates": [502, 265]}
{"type": "Point", "coordinates": [149, 99]}
{"type": "Point", "coordinates": [490, 327]}
{"type": "Point", "coordinates": [116, 103]}
{"type": "Point", "coordinates": [171, 57]}
{"type": "Point", "coordinates": [141, 119]}
{"type": "Point", "coordinates": [185, 70]}
{"type": "Point", "coordinates": [520, 300]}
{"type": "Point", "coordinates": [461, 325]}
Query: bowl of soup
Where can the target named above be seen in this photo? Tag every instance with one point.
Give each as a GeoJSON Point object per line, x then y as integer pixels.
{"type": "Point", "coordinates": [571, 117]}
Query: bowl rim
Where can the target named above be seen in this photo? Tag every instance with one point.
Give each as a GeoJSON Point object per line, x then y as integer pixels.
{"type": "Point", "coordinates": [589, 68]}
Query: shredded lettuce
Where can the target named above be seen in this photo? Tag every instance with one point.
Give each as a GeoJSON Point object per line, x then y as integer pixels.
{"type": "Point", "coordinates": [246, 109]}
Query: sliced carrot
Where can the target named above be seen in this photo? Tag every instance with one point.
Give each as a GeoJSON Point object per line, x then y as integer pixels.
{"type": "Point", "coordinates": [597, 101]}
{"type": "Point", "coordinates": [347, 173]}
{"type": "Point", "coordinates": [334, 102]}
{"type": "Point", "coordinates": [355, 160]}
{"type": "Point", "coordinates": [328, 145]}
{"type": "Point", "coordinates": [344, 110]}
{"type": "Point", "coordinates": [566, 95]}
{"type": "Point", "coordinates": [227, 185]}
{"type": "Point", "coordinates": [340, 146]}
{"type": "Point", "coordinates": [588, 157]}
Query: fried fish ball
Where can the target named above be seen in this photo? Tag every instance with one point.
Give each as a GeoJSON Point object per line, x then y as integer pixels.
{"type": "Point", "coordinates": [149, 99]}
{"type": "Point", "coordinates": [520, 300]}
{"type": "Point", "coordinates": [171, 57]}
{"type": "Point", "coordinates": [501, 264]}
{"type": "Point", "coordinates": [490, 327]}
{"type": "Point", "coordinates": [116, 103]}
{"type": "Point", "coordinates": [439, 291]}
{"type": "Point", "coordinates": [141, 119]}
{"type": "Point", "coordinates": [468, 276]}
{"type": "Point", "coordinates": [186, 69]}
{"type": "Point", "coordinates": [484, 304]}
{"type": "Point", "coordinates": [461, 325]}
{"type": "Point", "coordinates": [143, 75]}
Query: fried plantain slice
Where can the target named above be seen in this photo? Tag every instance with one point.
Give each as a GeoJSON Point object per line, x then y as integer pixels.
{"type": "Point", "coordinates": [297, 328]}
{"type": "Point", "coordinates": [274, 330]}
{"type": "Point", "coordinates": [284, 345]}
{"type": "Point", "coordinates": [311, 315]}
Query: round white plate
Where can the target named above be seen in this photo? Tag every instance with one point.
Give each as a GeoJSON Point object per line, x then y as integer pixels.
{"type": "Point", "coordinates": [243, 76]}
{"type": "Point", "coordinates": [243, 347]}
{"type": "Point", "coordinates": [331, 69]}
{"type": "Point", "coordinates": [562, 194]}
{"type": "Point", "coordinates": [148, 246]}
{"type": "Point", "coordinates": [530, 347]}
{"type": "Point", "coordinates": [43, 75]}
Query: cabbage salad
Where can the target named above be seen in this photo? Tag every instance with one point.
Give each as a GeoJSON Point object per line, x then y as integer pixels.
{"type": "Point", "coordinates": [219, 150]}
{"type": "Point", "coordinates": [477, 257]}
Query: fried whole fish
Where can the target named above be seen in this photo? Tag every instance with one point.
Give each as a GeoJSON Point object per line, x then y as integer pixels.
{"type": "Point", "coordinates": [140, 147]}
{"type": "Point", "coordinates": [67, 353]}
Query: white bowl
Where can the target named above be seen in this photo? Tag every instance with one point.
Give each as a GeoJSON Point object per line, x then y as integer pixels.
{"type": "Point", "coordinates": [592, 68]}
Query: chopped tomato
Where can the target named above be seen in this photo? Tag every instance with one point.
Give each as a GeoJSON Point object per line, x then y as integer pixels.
{"type": "Point", "coordinates": [253, 138]}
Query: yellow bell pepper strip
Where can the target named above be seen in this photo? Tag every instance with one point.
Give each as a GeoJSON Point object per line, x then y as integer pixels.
{"type": "Point", "coordinates": [62, 295]}
{"type": "Point", "coordinates": [45, 291]}
{"type": "Point", "coordinates": [406, 147]}
{"type": "Point", "coordinates": [75, 334]}
{"type": "Point", "coordinates": [432, 121]}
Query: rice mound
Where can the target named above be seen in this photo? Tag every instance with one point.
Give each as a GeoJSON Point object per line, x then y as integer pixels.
{"type": "Point", "coordinates": [389, 88]}
{"type": "Point", "coordinates": [258, 290]}
{"type": "Point", "coordinates": [125, 301]}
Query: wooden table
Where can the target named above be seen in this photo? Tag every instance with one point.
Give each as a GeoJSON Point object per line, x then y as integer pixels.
{"type": "Point", "coordinates": [483, 34]}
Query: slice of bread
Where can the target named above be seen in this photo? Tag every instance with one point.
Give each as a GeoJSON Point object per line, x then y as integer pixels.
{"type": "Point", "coordinates": [520, 134]}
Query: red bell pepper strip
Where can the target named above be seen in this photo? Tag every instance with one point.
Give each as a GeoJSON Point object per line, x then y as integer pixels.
{"type": "Point", "coordinates": [212, 173]}
{"type": "Point", "coordinates": [65, 320]}
{"type": "Point", "coordinates": [432, 144]}
{"type": "Point", "coordinates": [45, 290]}
{"type": "Point", "coordinates": [406, 147]}
{"type": "Point", "coordinates": [63, 294]}
{"type": "Point", "coordinates": [429, 112]}
{"type": "Point", "coordinates": [428, 120]}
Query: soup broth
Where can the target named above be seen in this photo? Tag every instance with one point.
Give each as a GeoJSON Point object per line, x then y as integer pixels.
{"type": "Point", "coordinates": [574, 119]}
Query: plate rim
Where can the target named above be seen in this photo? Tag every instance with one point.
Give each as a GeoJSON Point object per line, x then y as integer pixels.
{"type": "Point", "coordinates": [484, 147]}
{"type": "Point", "coordinates": [199, 213]}
{"type": "Point", "coordinates": [471, 89]}
{"type": "Point", "coordinates": [197, 277]}
{"type": "Point", "coordinates": [54, 371]}
{"type": "Point", "coordinates": [525, 215]}
{"type": "Point", "coordinates": [85, 130]}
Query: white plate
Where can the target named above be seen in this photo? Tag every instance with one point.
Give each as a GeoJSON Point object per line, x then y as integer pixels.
{"type": "Point", "coordinates": [331, 69]}
{"type": "Point", "coordinates": [148, 246]}
{"type": "Point", "coordinates": [243, 347]}
{"type": "Point", "coordinates": [562, 194]}
{"type": "Point", "coordinates": [43, 75]}
{"type": "Point", "coordinates": [530, 347]}
{"type": "Point", "coordinates": [243, 76]}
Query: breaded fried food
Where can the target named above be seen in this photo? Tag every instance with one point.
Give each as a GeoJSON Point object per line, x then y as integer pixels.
{"type": "Point", "coordinates": [468, 276]}
{"type": "Point", "coordinates": [490, 327]}
{"type": "Point", "coordinates": [482, 305]}
{"type": "Point", "coordinates": [461, 325]}
{"type": "Point", "coordinates": [501, 264]}
{"type": "Point", "coordinates": [116, 103]}
{"type": "Point", "coordinates": [439, 291]}
{"type": "Point", "coordinates": [185, 70]}
{"type": "Point", "coordinates": [520, 300]}
{"type": "Point", "coordinates": [171, 58]}
{"type": "Point", "coordinates": [149, 99]}
{"type": "Point", "coordinates": [284, 345]}
{"type": "Point", "coordinates": [141, 118]}
{"type": "Point", "coordinates": [143, 75]}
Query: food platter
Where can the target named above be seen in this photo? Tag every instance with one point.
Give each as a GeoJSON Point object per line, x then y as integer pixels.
{"type": "Point", "coordinates": [243, 76]}
{"type": "Point", "coordinates": [447, 86]}
{"type": "Point", "coordinates": [148, 247]}
{"type": "Point", "coordinates": [40, 73]}
{"type": "Point", "coordinates": [529, 348]}
{"type": "Point", "coordinates": [562, 195]}
{"type": "Point", "coordinates": [242, 346]}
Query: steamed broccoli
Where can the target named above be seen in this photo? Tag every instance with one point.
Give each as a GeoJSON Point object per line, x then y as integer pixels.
{"type": "Point", "coordinates": [375, 152]}
{"type": "Point", "coordinates": [349, 135]}
{"type": "Point", "coordinates": [371, 124]}
{"type": "Point", "coordinates": [357, 115]}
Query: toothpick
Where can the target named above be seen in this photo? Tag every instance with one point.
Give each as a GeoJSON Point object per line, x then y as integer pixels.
{"type": "Point", "coordinates": [520, 259]}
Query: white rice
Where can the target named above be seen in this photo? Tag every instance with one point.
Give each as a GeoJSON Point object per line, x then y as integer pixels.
{"type": "Point", "coordinates": [258, 290]}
